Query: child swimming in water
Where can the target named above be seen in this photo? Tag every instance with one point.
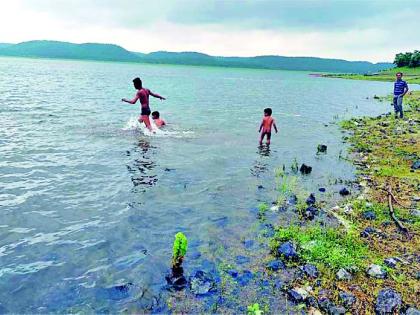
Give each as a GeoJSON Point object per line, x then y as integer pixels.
{"type": "Point", "coordinates": [156, 118]}
{"type": "Point", "coordinates": [143, 95]}
{"type": "Point", "coordinates": [266, 125]}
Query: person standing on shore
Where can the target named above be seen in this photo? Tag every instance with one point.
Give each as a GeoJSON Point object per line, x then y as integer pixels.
{"type": "Point", "coordinates": [400, 89]}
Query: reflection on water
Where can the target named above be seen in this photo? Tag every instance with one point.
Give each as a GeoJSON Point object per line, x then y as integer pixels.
{"type": "Point", "coordinates": [264, 150]}
{"type": "Point", "coordinates": [141, 168]}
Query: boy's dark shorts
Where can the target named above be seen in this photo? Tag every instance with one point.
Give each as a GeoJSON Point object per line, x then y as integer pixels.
{"type": "Point", "coordinates": [145, 111]}
{"type": "Point", "coordinates": [266, 133]}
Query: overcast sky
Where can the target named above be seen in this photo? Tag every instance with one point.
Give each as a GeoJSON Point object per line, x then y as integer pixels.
{"type": "Point", "coordinates": [353, 30]}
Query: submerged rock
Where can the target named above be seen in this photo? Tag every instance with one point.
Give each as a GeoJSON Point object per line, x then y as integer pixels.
{"type": "Point", "coordinates": [202, 283]}
{"type": "Point", "coordinates": [233, 273]}
{"type": "Point", "coordinates": [242, 260]}
{"type": "Point", "coordinates": [305, 169]}
{"type": "Point", "coordinates": [322, 189]}
{"type": "Point", "coordinates": [176, 280]}
{"type": "Point", "coordinates": [344, 191]}
{"type": "Point", "coordinates": [369, 215]}
{"type": "Point", "coordinates": [245, 277]}
{"type": "Point", "coordinates": [387, 302]}
{"type": "Point", "coordinates": [119, 292]}
{"type": "Point", "coordinates": [311, 200]}
{"type": "Point", "coordinates": [322, 148]}
{"type": "Point", "coordinates": [310, 270]}
{"type": "Point", "coordinates": [343, 274]}
{"type": "Point", "coordinates": [288, 251]}
{"type": "Point", "coordinates": [347, 298]}
{"type": "Point", "coordinates": [275, 265]}
{"type": "Point", "coordinates": [376, 271]}
{"type": "Point", "coordinates": [292, 200]}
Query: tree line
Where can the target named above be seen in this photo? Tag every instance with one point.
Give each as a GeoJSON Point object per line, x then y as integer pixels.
{"type": "Point", "coordinates": [408, 59]}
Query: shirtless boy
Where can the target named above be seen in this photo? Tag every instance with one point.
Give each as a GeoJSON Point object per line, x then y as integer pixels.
{"type": "Point", "coordinates": [266, 125]}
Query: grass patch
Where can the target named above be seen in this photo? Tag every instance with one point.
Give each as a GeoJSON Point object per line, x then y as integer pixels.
{"type": "Point", "coordinates": [326, 247]}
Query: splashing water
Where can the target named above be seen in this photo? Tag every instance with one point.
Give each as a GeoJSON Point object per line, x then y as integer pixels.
{"type": "Point", "coordinates": [134, 125]}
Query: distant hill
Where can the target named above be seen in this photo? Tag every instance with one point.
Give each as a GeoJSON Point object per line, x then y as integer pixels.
{"type": "Point", "coordinates": [109, 52]}
{"type": "Point", "coordinates": [3, 45]}
{"type": "Point", "coordinates": [54, 49]}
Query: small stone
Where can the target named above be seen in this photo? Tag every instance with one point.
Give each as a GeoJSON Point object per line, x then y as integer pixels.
{"type": "Point", "coordinates": [343, 274]}
{"type": "Point", "coordinates": [275, 265]}
{"type": "Point", "coordinates": [369, 215]}
{"type": "Point", "coordinates": [310, 270]}
{"type": "Point", "coordinates": [391, 262]}
{"type": "Point", "coordinates": [412, 311]}
{"type": "Point", "coordinates": [387, 302]}
{"type": "Point", "coordinates": [347, 298]}
{"type": "Point", "coordinates": [348, 209]}
{"type": "Point", "coordinates": [288, 251]}
{"type": "Point", "coordinates": [311, 200]}
{"type": "Point", "coordinates": [344, 191]}
{"type": "Point", "coordinates": [298, 295]}
{"type": "Point", "coordinates": [248, 243]}
{"type": "Point", "coordinates": [311, 212]}
{"type": "Point", "coordinates": [245, 278]}
{"type": "Point", "coordinates": [325, 303]}
{"type": "Point", "coordinates": [275, 208]}
{"type": "Point", "coordinates": [292, 200]}
{"type": "Point", "coordinates": [376, 271]}
{"type": "Point", "coordinates": [311, 302]}
{"type": "Point", "coordinates": [233, 273]}
{"type": "Point", "coordinates": [305, 169]}
{"type": "Point", "coordinates": [416, 198]}
{"type": "Point", "coordinates": [367, 232]}
{"type": "Point", "coordinates": [415, 212]}
{"type": "Point", "coordinates": [202, 283]}
{"type": "Point", "coordinates": [336, 310]}
{"type": "Point", "coordinates": [322, 189]}
{"type": "Point", "coordinates": [242, 259]}
{"type": "Point", "coordinates": [322, 148]}
{"type": "Point", "coordinates": [260, 187]}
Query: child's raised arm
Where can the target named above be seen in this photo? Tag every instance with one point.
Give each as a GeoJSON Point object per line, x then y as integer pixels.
{"type": "Point", "coordinates": [133, 101]}
{"type": "Point", "coordinates": [156, 95]}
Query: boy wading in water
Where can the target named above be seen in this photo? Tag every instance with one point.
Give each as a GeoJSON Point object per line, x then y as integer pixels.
{"type": "Point", "coordinates": [400, 89]}
{"type": "Point", "coordinates": [143, 95]}
{"type": "Point", "coordinates": [157, 120]}
{"type": "Point", "coordinates": [266, 125]}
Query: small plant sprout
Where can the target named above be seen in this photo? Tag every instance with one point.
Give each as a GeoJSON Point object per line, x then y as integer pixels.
{"type": "Point", "coordinates": [295, 166]}
{"type": "Point", "coordinates": [179, 249]}
{"type": "Point", "coordinates": [254, 309]}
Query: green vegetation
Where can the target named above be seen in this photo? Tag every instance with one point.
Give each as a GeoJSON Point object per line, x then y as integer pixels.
{"type": "Point", "coordinates": [328, 247]}
{"type": "Point", "coordinates": [179, 248]}
{"type": "Point", "coordinates": [411, 75]}
{"type": "Point", "coordinates": [254, 309]}
{"type": "Point", "coordinates": [408, 59]}
{"type": "Point", "coordinates": [54, 49]}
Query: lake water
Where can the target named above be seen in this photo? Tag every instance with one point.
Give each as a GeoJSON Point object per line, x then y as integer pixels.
{"type": "Point", "coordinates": [88, 201]}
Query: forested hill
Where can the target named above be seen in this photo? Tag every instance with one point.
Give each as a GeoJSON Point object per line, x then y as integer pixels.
{"type": "Point", "coordinates": [109, 52]}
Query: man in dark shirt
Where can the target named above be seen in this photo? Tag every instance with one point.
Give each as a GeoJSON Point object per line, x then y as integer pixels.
{"type": "Point", "coordinates": [400, 89]}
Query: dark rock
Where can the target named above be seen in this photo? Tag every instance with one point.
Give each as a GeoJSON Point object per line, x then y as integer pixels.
{"type": "Point", "coordinates": [275, 265]}
{"type": "Point", "coordinates": [418, 275]}
{"type": "Point", "coordinates": [248, 243]}
{"type": "Point", "coordinates": [344, 191]}
{"type": "Point", "coordinates": [202, 283]}
{"type": "Point", "coordinates": [242, 260]}
{"type": "Point", "coordinates": [391, 262]}
{"type": "Point", "coordinates": [245, 278]}
{"type": "Point", "coordinates": [311, 302]}
{"type": "Point", "coordinates": [260, 187]}
{"type": "Point", "coordinates": [376, 271]}
{"type": "Point", "coordinates": [387, 302]}
{"type": "Point", "coordinates": [336, 310]}
{"type": "Point", "coordinates": [314, 211]}
{"type": "Point", "coordinates": [369, 215]}
{"type": "Point", "coordinates": [367, 232]}
{"type": "Point", "coordinates": [343, 274]}
{"type": "Point", "coordinates": [297, 295]}
{"type": "Point", "coordinates": [310, 270]}
{"type": "Point", "coordinates": [233, 273]}
{"type": "Point", "coordinates": [322, 148]}
{"type": "Point", "coordinates": [288, 250]}
{"type": "Point", "coordinates": [292, 200]}
{"type": "Point", "coordinates": [280, 285]}
{"type": "Point", "coordinates": [325, 303]}
{"type": "Point", "coordinates": [412, 311]}
{"type": "Point", "coordinates": [347, 298]}
{"type": "Point", "coordinates": [305, 169]}
{"type": "Point", "coordinates": [176, 280]}
{"type": "Point", "coordinates": [322, 189]}
{"type": "Point", "coordinates": [311, 200]}
{"type": "Point", "coordinates": [415, 165]}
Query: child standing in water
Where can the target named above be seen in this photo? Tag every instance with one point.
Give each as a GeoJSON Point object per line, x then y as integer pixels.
{"type": "Point", "coordinates": [156, 118]}
{"type": "Point", "coordinates": [143, 95]}
{"type": "Point", "coordinates": [266, 125]}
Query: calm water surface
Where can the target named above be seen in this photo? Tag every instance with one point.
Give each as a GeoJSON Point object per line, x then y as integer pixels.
{"type": "Point", "coordinates": [87, 201]}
